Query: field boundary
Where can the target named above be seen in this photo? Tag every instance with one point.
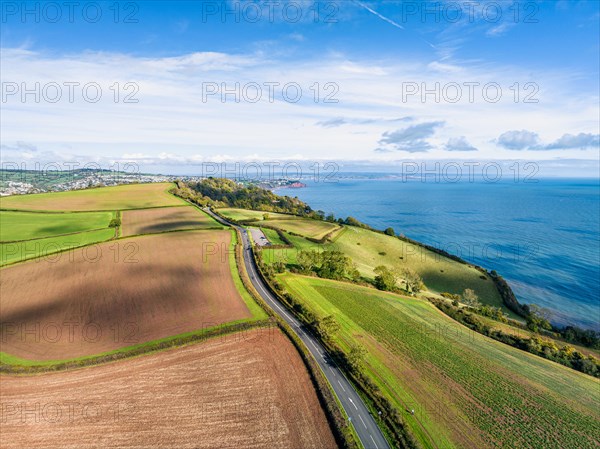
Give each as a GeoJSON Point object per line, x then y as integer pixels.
{"type": "Point", "coordinates": [9, 264]}
{"type": "Point", "coordinates": [135, 350]}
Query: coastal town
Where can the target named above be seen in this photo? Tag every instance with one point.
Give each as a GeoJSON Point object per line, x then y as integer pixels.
{"type": "Point", "coordinates": [21, 182]}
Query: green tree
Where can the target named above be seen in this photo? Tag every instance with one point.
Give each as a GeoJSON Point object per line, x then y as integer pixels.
{"type": "Point", "coordinates": [385, 278]}
{"type": "Point", "coordinates": [412, 281]}
{"type": "Point", "coordinates": [334, 265]}
{"type": "Point", "coordinates": [266, 217]}
{"type": "Point", "coordinates": [356, 356]}
{"type": "Point", "coordinates": [390, 231]}
{"type": "Point", "coordinates": [307, 260]}
{"type": "Point", "coordinates": [328, 327]}
{"type": "Point", "coordinates": [538, 318]}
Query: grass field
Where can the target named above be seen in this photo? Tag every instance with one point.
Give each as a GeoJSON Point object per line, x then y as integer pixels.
{"type": "Point", "coordinates": [16, 226]}
{"type": "Point", "coordinates": [466, 389]}
{"type": "Point", "coordinates": [113, 295]}
{"type": "Point", "coordinates": [245, 391]}
{"type": "Point", "coordinates": [272, 236]}
{"type": "Point", "coordinates": [151, 221]}
{"type": "Point", "coordinates": [245, 214]}
{"type": "Point", "coordinates": [47, 248]}
{"type": "Point", "coordinates": [306, 227]}
{"type": "Point", "coordinates": [133, 196]}
{"type": "Point", "coordinates": [369, 249]}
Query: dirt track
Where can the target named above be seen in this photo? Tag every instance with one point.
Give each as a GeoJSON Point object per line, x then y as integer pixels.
{"type": "Point", "coordinates": [117, 294]}
{"type": "Point", "coordinates": [241, 391]}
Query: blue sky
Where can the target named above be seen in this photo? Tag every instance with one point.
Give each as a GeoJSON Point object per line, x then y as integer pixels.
{"type": "Point", "coordinates": [369, 55]}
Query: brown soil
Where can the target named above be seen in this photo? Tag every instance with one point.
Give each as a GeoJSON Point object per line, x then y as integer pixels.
{"type": "Point", "coordinates": [150, 221]}
{"type": "Point", "coordinates": [117, 294]}
{"type": "Point", "coordinates": [240, 391]}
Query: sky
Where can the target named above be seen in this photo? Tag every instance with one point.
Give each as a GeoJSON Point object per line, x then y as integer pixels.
{"type": "Point", "coordinates": [173, 85]}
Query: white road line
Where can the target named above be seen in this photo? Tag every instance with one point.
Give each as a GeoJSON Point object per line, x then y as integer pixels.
{"type": "Point", "coordinates": [350, 399]}
{"type": "Point", "coordinates": [361, 420]}
{"type": "Point", "coordinates": [341, 385]}
{"type": "Point", "coordinates": [376, 447]}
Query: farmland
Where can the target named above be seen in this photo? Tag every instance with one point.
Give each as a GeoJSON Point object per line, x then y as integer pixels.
{"type": "Point", "coordinates": [245, 214]}
{"type": "Point", "coordinates": [306, 227]}
{"type": "Point", "coordinates": [134, 196]}
{"type": "Point", "coordinates": [466, 389]}
{"type": "Point", "coordinates": [163, 219]}
{"type": "Point", "coordinates": [116, 294]}
{"type": "Point", "coordinates": [47, 248]}
{"type": "Point", "coordinates": [368, 249]}
{"type": "Point", "coordinates": [16, 226]}
{"type": "Point", "coordinates": [249, 391]}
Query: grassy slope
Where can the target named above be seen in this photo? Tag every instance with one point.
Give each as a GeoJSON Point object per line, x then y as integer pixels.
{"type": "Point", "coordinates": [304, 226]}
{"type": "Point", "coordinates": [19, 251]}
{"type": "Point", "coordinates": [369, 249]}
{"type": "Point", "coordinates": [32, 225]}
{"type": "Point", "coordinates": [272, 236]}
{"type": "Point", "coordinates": [134, 196]}
{"type": "Point", "coordinates": [289, 223]}
{"type": "Point", "coordinates": [245, 214]}
{"type": "Point", "coordinates": [466, 389]}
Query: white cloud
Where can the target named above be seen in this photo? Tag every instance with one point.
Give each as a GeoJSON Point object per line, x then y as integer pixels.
{"type": "Point", "coordinates": [522, 140]}
{"type": "Point", "coordinates": [518, 140]}
{"type": "Point", "coordinates": [412, 139]}
{"type": "Point", "coordinates": [459, 144]}
{"type": "Point", "coordinates": [171, 119]}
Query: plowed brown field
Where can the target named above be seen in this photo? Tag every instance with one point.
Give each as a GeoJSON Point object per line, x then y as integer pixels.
{"type": "Point", "coordinates": [151, 221]}
{"type": "Point", "coordinates": [249, 391]}
{"type": "Point", "coordinates": [117, 294]}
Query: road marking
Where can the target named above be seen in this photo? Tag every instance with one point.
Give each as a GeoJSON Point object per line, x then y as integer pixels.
{"type": "Point", "coordinates": [350, 399]}
{"type": "Point", "coordinates": [376, 447]}
{"type": "Point", "coordinates": [341, 385]}
{"type": "Point", "coordinates": [331, 369]}
{"type": "Point", "coordinates": [361, 420]}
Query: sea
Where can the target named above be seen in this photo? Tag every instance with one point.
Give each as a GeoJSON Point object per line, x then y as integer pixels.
{"type": "Point", "coordinates": [542, 236]}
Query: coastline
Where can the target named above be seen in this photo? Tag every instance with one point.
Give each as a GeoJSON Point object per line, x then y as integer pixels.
{"type": "Point", "coordinates": [538, 273]}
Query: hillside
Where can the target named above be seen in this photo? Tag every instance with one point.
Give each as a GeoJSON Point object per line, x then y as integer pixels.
{"type": "Point", "coordinates": [466, 389]}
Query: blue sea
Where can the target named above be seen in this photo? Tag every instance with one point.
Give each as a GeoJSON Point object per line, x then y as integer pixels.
{"type": "Point", "coordinates": [543, 237]}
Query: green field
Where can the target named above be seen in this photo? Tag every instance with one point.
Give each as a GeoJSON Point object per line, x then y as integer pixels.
{"type": "Point", "coordinates": [245, 214]}
{"type": "Point", "coordinates": [45, 248]}
{"type": "Point", "coordinates": [306, 227]}
{"type": "Point", "coordinates": [32, 225]}
{"type": "Point", "coordinates": [133, 196]}
{"type": "Point", "coordinates": [466, 389]}
{"type": "Point", "coordinates": [272, 236]}
{"type": "Point", "coordinates": [368, 249]}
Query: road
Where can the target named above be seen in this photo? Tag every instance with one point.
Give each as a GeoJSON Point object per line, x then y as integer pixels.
{"type": "Point", "coordinates": [363, 422]}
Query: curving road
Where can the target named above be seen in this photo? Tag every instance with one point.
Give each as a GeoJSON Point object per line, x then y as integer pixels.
{"type": "Point", "coordinates": [364, 424]}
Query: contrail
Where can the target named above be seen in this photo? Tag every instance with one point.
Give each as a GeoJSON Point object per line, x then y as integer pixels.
{"type": "Point", "coordinates": [372, 11]}
{"type": "Point", "coordinates": [390, 21]}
